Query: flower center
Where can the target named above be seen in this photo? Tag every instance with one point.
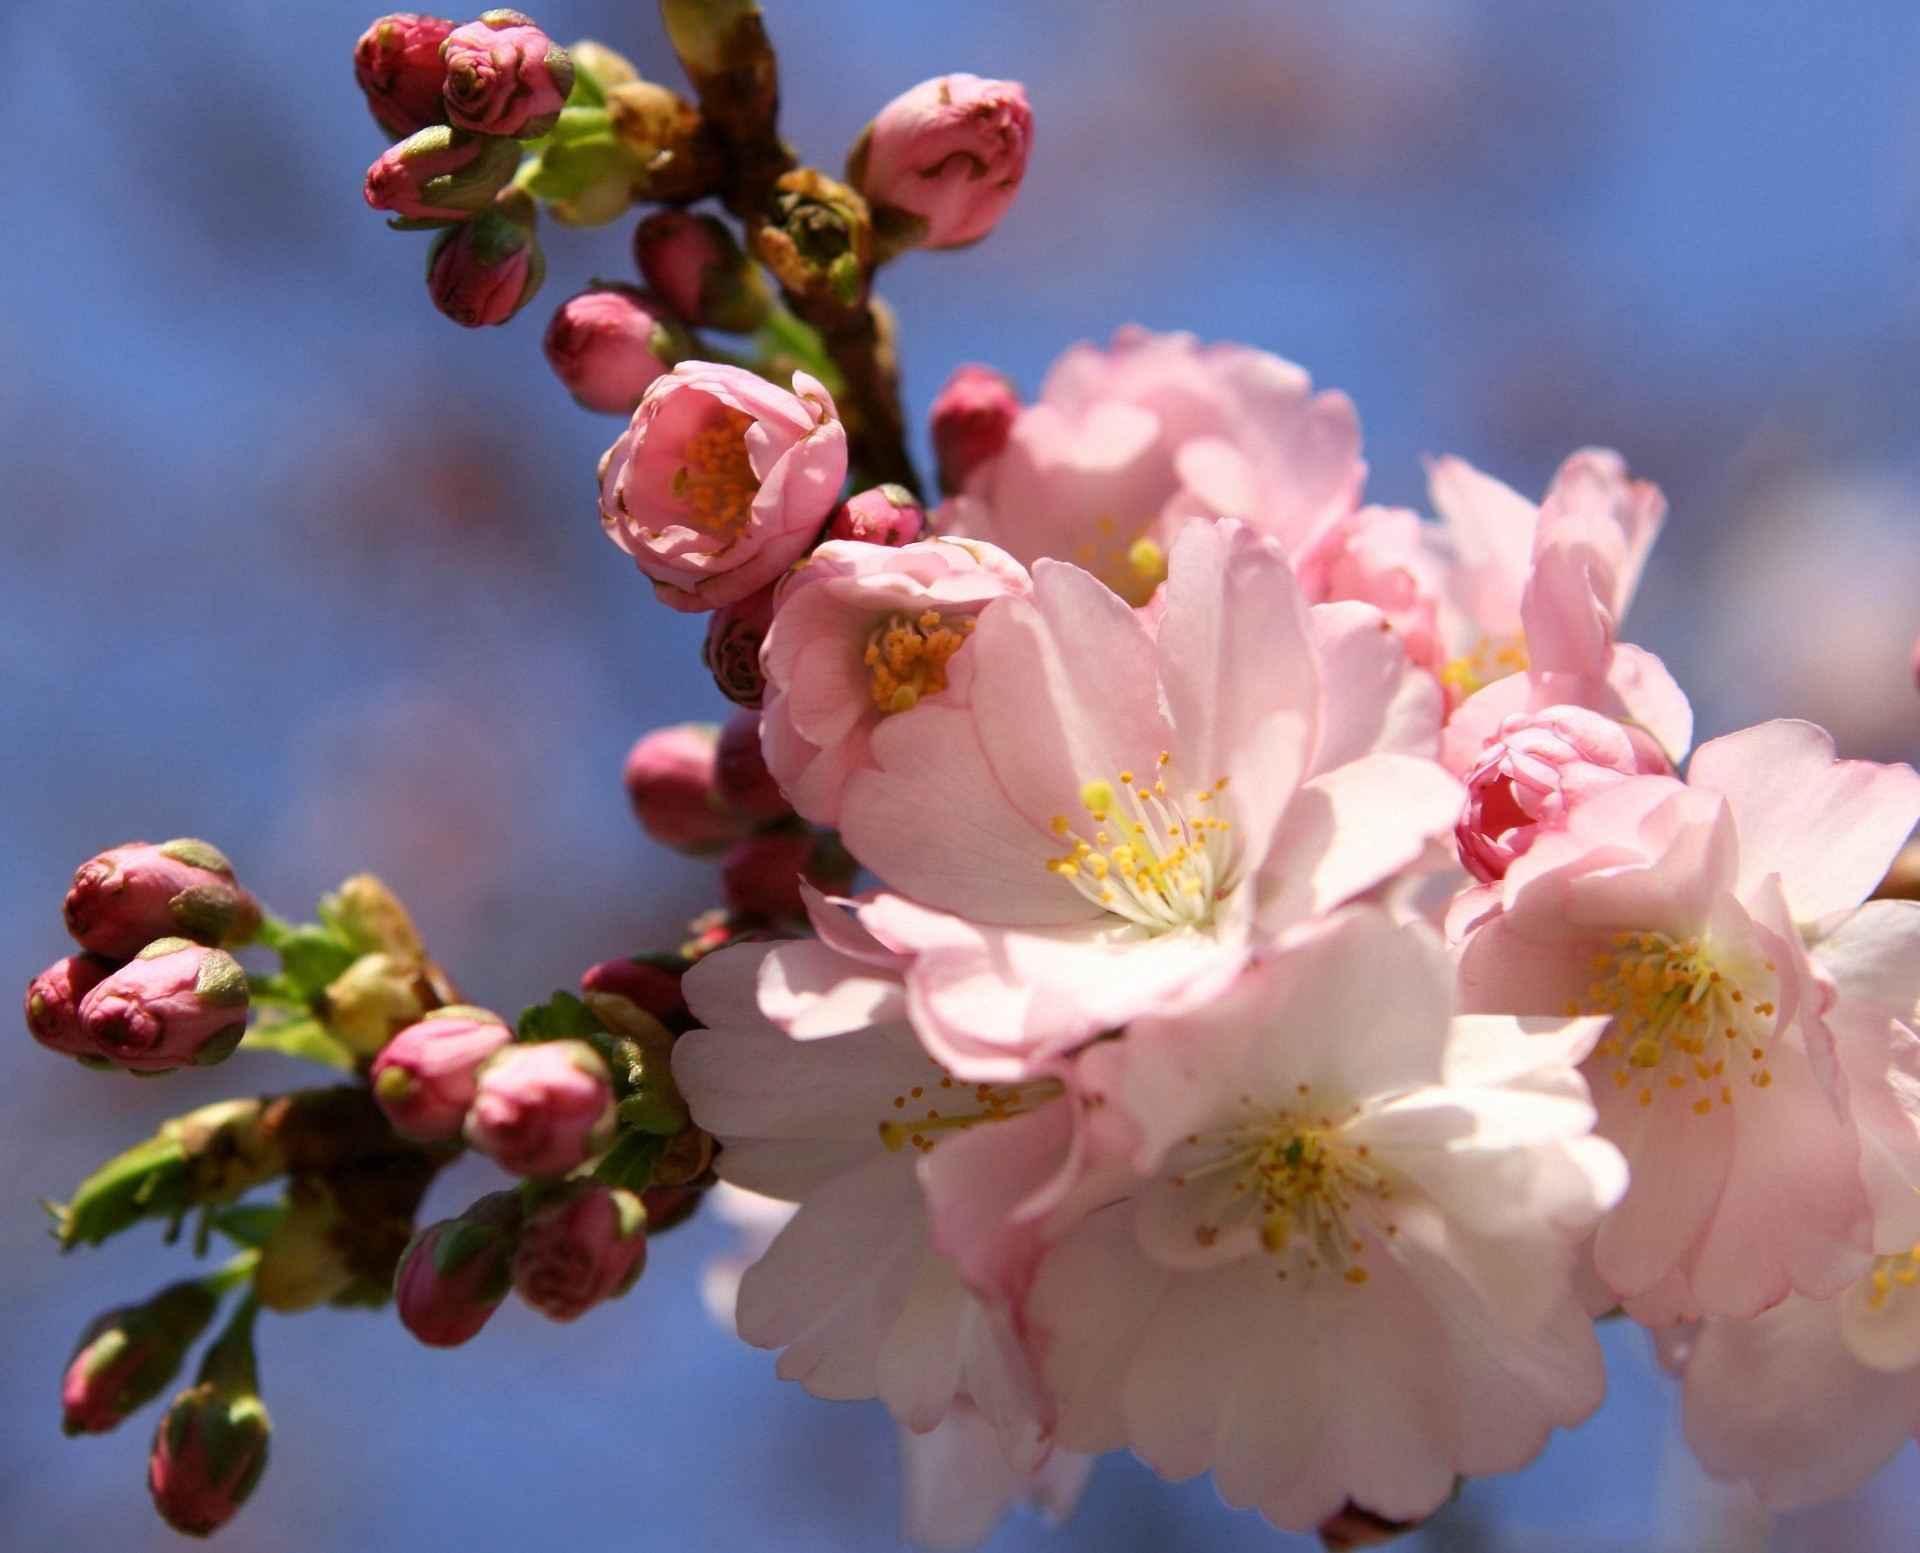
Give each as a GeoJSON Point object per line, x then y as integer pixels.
{"type": "Point", "coordinates": [907, 659]}
{"type": "Point", "coordinates": [1678, 1020]}
{"type": "Point", "coordinates": [1890, 1275]}
{"type": "Point", "coordinates": [1489, 659]}
{"type": "Point", "coordinates": [716, 481]}
{"type": "Point", "coordinates": [1133, 570]}
{"type": "Point", "coordinates": [946, 1104]}
{"type": "Point", "coordinates": [1145, 860]}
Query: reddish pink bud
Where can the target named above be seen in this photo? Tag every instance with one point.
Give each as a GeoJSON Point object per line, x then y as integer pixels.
{"type": "Point", "coordinates": [455, 1274]}
{"type": "Point", "coordinates": [397, 63]}
{"type": "Point", "coordinates": [941, 163]}
{"type": "Point", "coordinates": [669, 777]}
{"type": "Point", "coordinates": [609, 343]}
{"type": "Point", "coordinates": [732, 648]}
{"type": "Point", "coordinates": [699, 270]}
{"type": "Point", "coordinates": [1526, 779]}
{"type": "Point", "coordinates": [176, 1004]}
{"type": "Point", "coordinates": [761, 875]}
{"type": "Point", "coordinates": [127, 1357]}
{"type": "Point", "coordinates": [485, 270]}
{"type": "Point", "coordinates": [425, 1077]}
{"type": "Point", "coordinates": [440, 174]}
{"type": "Point", "coordinates": [585, 1247]}
{"type": "Point", "coordinates": [649, 982]}
{"type": "Point", "coordinates": [740, 771]}
{"type": "Point", "coordinates": [211, 1446]}
{"type": "Point", "coordinates": [972, 418]}
{"type": "Point", "coordinates": [131, 895]}
{"type": "Point", "coordinates": [544, 1109]}
{"type": "Point", "coordinates": [885, 515]}
{"type": "Point", "coordinates": [668, 1206]}
{"type": "Point", "coordinates": [505, 76]}
{"type": "Point", "coordinates": [53, 1003]}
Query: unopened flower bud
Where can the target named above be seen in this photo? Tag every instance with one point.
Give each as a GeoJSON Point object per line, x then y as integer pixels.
{"type": "Point", "coordinates": [610, 342]}
{"type": "Point", "coordinates": [651, 982]}
{"type": "Point", "coordinates": [819, 240]}
{"type": "Point", "coordinates": [583, 1247]}
{"type": "Point", "coordinates": [669, 777]}
{"type": "Point", "coordinates": [176, 1004]}
{"type": "Point", "coordinates": [1526, 779]}
{"type": "Point", "coordinates": [667, 139]}
{"type": "Point", "coordinates": [129, 896]}
{"type": "Point", "coordinates": [371, 1001]}
{"type": "Point", "coordinates": [440, 175]}
{"type": "Point", "coordinates": [126, 1357]}
{"type": "Point", "coordinates": [762, 873]}
{"type": "Point", "coordinates": [669, 1206]}
{"type": "Point", "coordinates": [940, 164]}
{"type": "Point", "coordinates": [544, 1109]}
{"type": "Point", "coordinates": [397, 63]}
{"type": "Point", "coordinates": [740, 771]}
{"type": "Point", "coordinates": [972, 418]}
{"type": "Point", "coordinates": [884, 515]}
{"type": "Point", "coordinates": [693, 262]}
{"type": "Point", "coordinates": [53, 1003]}
{"type": "Point", "coordinates": [455, 1273]}
{"type": "Point", "coordinates": [732, 648]}
{"type": "Point", "coordinates": [485, 270]}
{"type": "Point", "coordinates": [505, 76]}
{"type": "Point", "coordinates": [425, 1077]}
{"type": "Point", "coordinates": [211, 1446]}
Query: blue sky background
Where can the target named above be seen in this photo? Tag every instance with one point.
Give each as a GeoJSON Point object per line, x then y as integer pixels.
{"type": "Point", "coordinates": [290, 562]}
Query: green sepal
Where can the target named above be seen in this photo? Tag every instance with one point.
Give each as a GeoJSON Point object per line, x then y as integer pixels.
{"type": "Point", "coordinates": [630, 1162]}
{"type": "Point", "coordinates": [249, 1224]}
{"type": "Point", "coordinates": [312, 957]}
{"type": "Point", "coordinates": [561, 1017]}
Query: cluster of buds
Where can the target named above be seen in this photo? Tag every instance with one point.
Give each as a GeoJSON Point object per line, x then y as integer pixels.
{"type": "Point", "coordinates": [153, 987]}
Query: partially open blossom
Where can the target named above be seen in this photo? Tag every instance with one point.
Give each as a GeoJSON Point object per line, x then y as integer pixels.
{"type": "Point", "coordinates": [669, 777]}
{"type": "Point", "coordinates": [505, 76]}
{"type": "Point", "coordinates": [211, 1446]}
{"type": "Point", "coordinates": [1540, 763]}
{"type": "Point", "coordinates": [397, 63]}
{"type": "Point", "coordinates": [53, 1003]}
{"type": "Point", "coordinates": [694, 263]}
{"type": "Point", "coordinates": [863, 634]}
{"type": "Point", "coordinates": [441, 174]}
{"type": "Point", "coordinates": [731, 651]}
{"type": "Point", "coordinates": [585, 1246]}
{"type": "Point", "coordinates": [740, 770]}
{"type": "Point", "coordinates": [425, 1077]}
{"type": "Point", "coordinates": [485, 270]}
{"type": "Point", "coordinates": [649, 982]}
{"type": "Point", "coordinates": [542, 1110]}
{"type": "Point", "coordinates": [722, 482]}
{"type": "Point", "coordinates": [761, 874]}
{"type": "Point", "coordinates": [609, 343]}
{"type": "Point", "coordinates": [971, 419]}
{"type": "Point", "coordinates": [881, 515]}
{"type": "Point", "coordinates": [128, 896]}
{"type": "Point", "coordinates": [175, 1004]}
{"type": "Point", "coordinates": [455, 1273]}
{"type": "Point", "coordinates": [942, 163]}
{"type": "Point", "coordinates": [127, 1357]}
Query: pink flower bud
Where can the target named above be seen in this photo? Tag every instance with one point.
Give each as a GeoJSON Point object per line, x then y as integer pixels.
{"type": "Point", "coordinates": [699, 270]}
{"type": "Point", "coordinates": [585, 1247]}
{"type": "Point", "coordinates": [885, 515]}
{"type": "Point", "coordinates": [544, 1109]}
{"type": "Point", "coordinates": [426, 1076]}
{"type": "Point", "coordinates": [176, 1004]}
{"type": "Point", "coordinates": [609, 343]}
{"type": "Point", "coordinates": [722, 481]}
{"type": "Point", "coordinates": [455, 1274]}
{"type": "Point", "coordinates": [397, 63]}
{"type": "Point", "coordinates": [761, 875]}
{"type": "Point", "coordinates": [131, 895]}
{"type": "Point", "coordinates": [485, 270]}
{"type": "Point", "coordinates": [941, 163]}
{"type": "Point", "coordinates": [126, 1357]}
{"type": "Point", "coordinates": [211, 1446]}
{"type": "Point", "coordinates": [1526, 779]}
{"type": "Point", "coordinates": [972, 418]}
{"type": "Point", "coordinates": [732, 648]}
{"type": "Point", "coordinates": [649, 982]}
{"type": "Point", "coordinates": [53, 1004]}
{"type": "Point", "coordinates": [505, 76]}
{"type": "Point", "coordinates": [740, 771]}
{"type": "Point", "coordinates": [440, 174]}
{"type": "Point", "coordinates": [669, 778]}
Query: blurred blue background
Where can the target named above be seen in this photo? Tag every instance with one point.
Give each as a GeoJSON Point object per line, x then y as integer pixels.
{"type": "Point", "coordinates": [290, 562]}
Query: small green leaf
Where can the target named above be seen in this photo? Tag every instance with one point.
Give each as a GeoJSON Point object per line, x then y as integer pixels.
{"type": "Point", "coordinates": [249, 1224]}
{"type": "Point", "coordinates": [312, 957]}
{"type": "Point", "coordinates": [631, 1162]}
{"type": "Point", "coordinates": [561, 1017]}
{"type": "Point", "coordinates": [304, 1038]}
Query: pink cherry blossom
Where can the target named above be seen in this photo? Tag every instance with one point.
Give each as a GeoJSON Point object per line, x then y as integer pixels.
{"type": "Point", "coordinates": [722, 481]}
{"type": "Point", "coordinates": [1342, 1273]}
{"type": "Point", "coordinates": [542, 1109]}
{"type": "Point", "coordinates": [959, 1486]}
{"type": "Point", "coordinates": [1116, 814]}
{"type": "Point", "coordinates": [862, 634]}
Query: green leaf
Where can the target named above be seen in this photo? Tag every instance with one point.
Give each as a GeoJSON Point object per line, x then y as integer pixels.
{"type": "Point", "coordinates": [249, 1224]}
{"type": "Point", "coordinates": [561, 1017]}
{"type": "Point", "coordinates": [311, 957]}
{"type": "Point", "coordinates": [152, 1179]}
{"type": "Point", "coordinates": [304, 1038]}
{"type": "Point", "coordinates": [631, 1162]}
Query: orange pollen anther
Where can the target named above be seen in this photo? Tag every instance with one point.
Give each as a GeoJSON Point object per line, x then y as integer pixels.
{"type": "Point", "coordinates": [907, 658]}
{"type": "Point", "coordinates": [717, 481]}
